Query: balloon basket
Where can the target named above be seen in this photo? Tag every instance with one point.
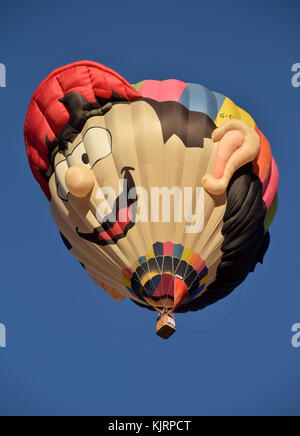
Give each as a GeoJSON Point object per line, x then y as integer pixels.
{"type": "Point", "coordinates": [165, 326]}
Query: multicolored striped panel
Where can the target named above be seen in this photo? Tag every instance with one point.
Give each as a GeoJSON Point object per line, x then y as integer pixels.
{"type": "Point", "coordinates": [168, 275]}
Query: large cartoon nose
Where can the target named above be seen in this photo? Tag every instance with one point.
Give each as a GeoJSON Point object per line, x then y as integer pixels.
{"type": "Point", "coordinates": [80, 181]}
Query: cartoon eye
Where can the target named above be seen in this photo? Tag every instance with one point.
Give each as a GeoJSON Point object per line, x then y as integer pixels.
{"type": "Point", "coordinates": [97, 143]}
{"type": "Point", "coordinates": [79, 156]}
{"type": "Point", "coordinates": [60, 175]}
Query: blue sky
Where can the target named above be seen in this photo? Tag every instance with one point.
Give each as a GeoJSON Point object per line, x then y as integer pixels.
{"type": "Point", "coordinates": [70, 349]}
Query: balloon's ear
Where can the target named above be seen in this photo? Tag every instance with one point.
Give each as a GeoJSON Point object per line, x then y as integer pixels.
{"type": "Point", "coordinates": [238, 144]}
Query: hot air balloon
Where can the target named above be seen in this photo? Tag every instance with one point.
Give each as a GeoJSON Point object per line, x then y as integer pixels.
{"type": "Point", "coordinates": [164, 191]}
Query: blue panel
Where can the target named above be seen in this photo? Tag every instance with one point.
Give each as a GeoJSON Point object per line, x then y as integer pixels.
{"type": "Point", "coordinates": [200, 99]}
{"type": "Point", "coordinates": [220, 100]}
{"type": "Point", "coordinates": [178, 249]}
{"type": "Point", "coordinates": [142, 260]}
{"type": "Point", "coordinates": [203, 273]}
{"type": "Point", "coordinates": [149, 288]}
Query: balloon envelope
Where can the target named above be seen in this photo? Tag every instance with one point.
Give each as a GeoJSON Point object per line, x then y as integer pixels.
{"type": "Point", "coordinates": [164, 191]}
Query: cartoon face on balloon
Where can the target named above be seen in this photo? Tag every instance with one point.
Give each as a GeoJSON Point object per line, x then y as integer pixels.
{"type": "Point", "coordinates": [147, 192]}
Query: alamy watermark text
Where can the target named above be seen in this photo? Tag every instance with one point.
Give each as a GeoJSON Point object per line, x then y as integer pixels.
{"type": "Point", "coordinates": [2, 76]}
{"type": "Point", "coordinates": [296, 76]}
{"type": "Point", "coordinates": [2, 336]}
{"type": "Point", "coordinates": [296, 336]}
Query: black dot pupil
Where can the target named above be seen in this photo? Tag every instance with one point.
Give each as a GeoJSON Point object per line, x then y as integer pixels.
{"type": "Point", "coordinates": [85, 158]}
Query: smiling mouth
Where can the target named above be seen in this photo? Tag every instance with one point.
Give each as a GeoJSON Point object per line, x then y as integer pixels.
{"type": "Point", "coordinates": [116, 225]}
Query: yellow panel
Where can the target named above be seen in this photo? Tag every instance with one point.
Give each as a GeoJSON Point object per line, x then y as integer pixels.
{"type": "Point", "coordinates": [187, 254]}
{"type": "Point", "coordinates": [136, 265]}
{"type": "Point", "coordinates": [150, 254]}
{"type": "Point", "coordinates": [203, 281]}
{"type": "Point", "coordinates": [229, 110]}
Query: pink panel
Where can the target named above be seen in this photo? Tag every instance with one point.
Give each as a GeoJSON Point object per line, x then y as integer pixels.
{"type": "Point", "coordinates": [167, 90]}
{"type": "Point", "coordinates": [272, 186]}
{"type": "Point", "coordinates": [168, 249]}
{"type": "Point", "coordinates": [199, 267]}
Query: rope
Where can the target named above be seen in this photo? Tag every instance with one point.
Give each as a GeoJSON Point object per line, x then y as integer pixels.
{"type": "Point", "coordinates": [222, 323]}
